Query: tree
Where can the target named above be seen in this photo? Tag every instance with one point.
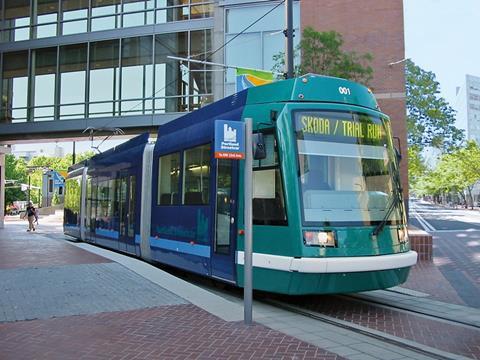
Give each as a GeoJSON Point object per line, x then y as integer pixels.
{"type": "Point", "coordinates": [466, 164]}
{"type": "Point", "coordinates": [456, 172]}
{"type": "Point", "coordinates": [15, 169]}
{"type": "Point", "coordinates": [321, 53]}
{"type": "Point", "coordinates": [417, 168]}
{"type": "Point", "coordinates": [430, 119]}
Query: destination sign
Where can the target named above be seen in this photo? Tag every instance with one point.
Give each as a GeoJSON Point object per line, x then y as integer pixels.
{"type": "Point", "coordinates": [366, 129]}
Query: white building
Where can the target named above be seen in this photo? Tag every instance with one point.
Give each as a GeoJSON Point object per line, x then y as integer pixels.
{"type": "Point", "coordinates": [468, 115]}
{"type": "Point", "coordinates": [468, 107]}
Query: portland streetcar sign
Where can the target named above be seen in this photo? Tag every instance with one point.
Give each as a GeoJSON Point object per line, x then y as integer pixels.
{"type": "Point", "coordinates": [229, 139]}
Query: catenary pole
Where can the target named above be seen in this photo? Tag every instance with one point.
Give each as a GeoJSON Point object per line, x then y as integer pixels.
{"type": "Point", "coordinates": [248, 248]}
{"type": "Point", "coordinates": [289, 38]}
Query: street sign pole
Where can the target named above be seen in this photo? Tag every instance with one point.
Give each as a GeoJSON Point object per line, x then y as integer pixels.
{"type": "Point", "coordinates": [233, 140]}
{"type": "Point", "coordinates": [247, 267]}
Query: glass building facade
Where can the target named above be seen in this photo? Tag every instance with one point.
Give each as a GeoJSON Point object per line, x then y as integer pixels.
{"type": "Point", "coordinates": [116, 75]}
{"type": "Point", "coordinates": [36, 19]}
{"type": "Point", "coordinates": [110, 62]}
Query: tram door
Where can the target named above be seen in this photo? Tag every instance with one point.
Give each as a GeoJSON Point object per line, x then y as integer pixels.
{"type": "Point", "coordinates": [126, 211]}
{"type": "Point", "coordinates": [223, 250]}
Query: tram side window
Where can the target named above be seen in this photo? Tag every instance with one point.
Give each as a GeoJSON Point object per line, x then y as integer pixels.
{"type": "Point", "coordinates": [196, 175]}
{"type": "Point", "coordinates": [168, 175]}
{"type": "Point", "coordinates": [268, 195]}
{"type": "Point", "coordinates": [106, 200]}
{"type": "Point", "coordinates": [72, 201]}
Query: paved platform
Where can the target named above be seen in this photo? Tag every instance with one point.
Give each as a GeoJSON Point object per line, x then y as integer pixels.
{"type": "Point", "coordinates": [84, 302]}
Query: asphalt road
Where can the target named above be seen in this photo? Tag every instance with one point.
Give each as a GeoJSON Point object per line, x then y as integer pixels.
{"type": "Point", "coordinates": [434, 218]}
{"type": "Point", "coordinates": [456, 245]}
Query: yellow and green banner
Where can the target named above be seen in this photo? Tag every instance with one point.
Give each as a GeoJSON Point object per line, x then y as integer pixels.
{"type": "Point", "coordinates": [247, 78]}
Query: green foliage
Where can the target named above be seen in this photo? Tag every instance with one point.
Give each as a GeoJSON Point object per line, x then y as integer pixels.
{"type": "Point", "coordinates": [416, 166]}
{"type": "Point", "coordinates": [15, 169]}
{"type": "Point", "coordinates": [430, 119]}
{"type": "Point", "coordinates": [82, 156]}
{"type": "Point", "coordinates": [19, 170]}
{"type": "Point", "coordinates": [52, 163]}
{"type": "Point", "coordinates": [55, 199]}
{"type": "Point", "coordinates": [72, 188]}
{"type": "Point", "coordinates": [322, 54]}
{"type": "Point", "coordinates": [456, 172]}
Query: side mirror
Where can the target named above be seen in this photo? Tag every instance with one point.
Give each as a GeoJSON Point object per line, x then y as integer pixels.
{"type": "Point", "coordinates": [397, 148]}
{"type": "Point", "coordinates": [258, 147]}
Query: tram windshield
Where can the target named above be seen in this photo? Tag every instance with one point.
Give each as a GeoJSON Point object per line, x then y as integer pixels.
{"type": "Point", "coordinates": [346, 168]}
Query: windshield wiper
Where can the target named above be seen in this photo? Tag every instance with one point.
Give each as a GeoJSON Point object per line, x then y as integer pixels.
{"type": "Point", "coordinates": [395, 201]}
{"type": "Point", "coordinates": [397, 196]}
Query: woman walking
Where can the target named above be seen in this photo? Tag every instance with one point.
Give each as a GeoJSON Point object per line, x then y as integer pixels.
{"type": "Point", "coordinates": [30, 212]}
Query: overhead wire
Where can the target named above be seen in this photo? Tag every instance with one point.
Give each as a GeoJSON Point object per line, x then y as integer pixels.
{"type": "Point", "coordinates": [207, 53]}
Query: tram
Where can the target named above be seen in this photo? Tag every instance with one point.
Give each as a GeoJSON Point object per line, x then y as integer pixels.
{"type": "Point", "coordinates": [328, 213]}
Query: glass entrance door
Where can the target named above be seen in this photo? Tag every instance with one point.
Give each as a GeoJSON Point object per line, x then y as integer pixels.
{"type": "Point", "coordinates": [223, 251]}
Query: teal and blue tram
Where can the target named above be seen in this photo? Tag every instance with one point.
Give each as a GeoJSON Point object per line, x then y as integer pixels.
{"type": "Point", "coordinates": [328, 214]}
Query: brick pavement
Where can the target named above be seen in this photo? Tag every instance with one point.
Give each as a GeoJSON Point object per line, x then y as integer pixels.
{"type": "Point", "coordinates": [455, 274]}
{"type": "Point", "coordinates": [458, 259]}
{"type": "Point", "coordinates": [53, 282]}
{"type": "Point", "coordinates": [168, 332]}
{"type": "Point", "coordinates": [427, 278]}
{"type": "Point", "coordinates": [152, 332]}
{"type": "Point", "coordinates": [456, 339]}
{"type": "Point", "coordinates": [45, 292]}
{"type": "Point", "coordinates": [21, 249]}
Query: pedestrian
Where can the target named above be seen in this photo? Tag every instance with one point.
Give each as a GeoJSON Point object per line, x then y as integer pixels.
{"type": "Point", "coordinates": [31, 212]}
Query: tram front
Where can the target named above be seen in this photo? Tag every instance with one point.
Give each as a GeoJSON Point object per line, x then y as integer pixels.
{"type": "Point", "coordinates": [352, 212]}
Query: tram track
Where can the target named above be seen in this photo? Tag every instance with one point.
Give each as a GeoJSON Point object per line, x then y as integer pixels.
{"type": "Point", "coordinates": [408, 310]}
{"type": "Point", "coordinates": [359, 329]}
{"type": "Point", "coordinates": [296, 305]}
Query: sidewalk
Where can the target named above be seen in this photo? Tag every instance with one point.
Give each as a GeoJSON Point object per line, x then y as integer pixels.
{"type": "Point", "coordinates": [62, 300]}
{"type": "Point", "coordinates": [84, 306]}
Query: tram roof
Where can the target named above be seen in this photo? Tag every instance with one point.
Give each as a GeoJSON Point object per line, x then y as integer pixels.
{"type": "Point", "coordinates": [306, 88]}
{"type": "Point", "coordinates": [314, 88]}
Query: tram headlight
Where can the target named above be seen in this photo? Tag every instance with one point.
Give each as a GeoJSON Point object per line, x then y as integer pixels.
{"type": "Point", "coordinates": [402, 235]}
{"type": "Point", "coordinates": [319, 238]}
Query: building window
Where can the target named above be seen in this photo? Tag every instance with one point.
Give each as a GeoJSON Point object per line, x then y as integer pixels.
{"type": "Point", "coordinates": [44, 79]}
{"type": "Point", "coordinates": [168, 176]}
{"type": "Point", "coordinates": [47, 17]}
{"type": "Point", "coordinates": [16, 20]}
{"type": "Point", "coordinates": [73, 74]}
{"type": "Point", "coordinates": [134, 78]}
{"type": "Point", "coordinates": [137, 75]}
{"type": "Point", "coordinates": [196, 175]}
{"type": "Point", "coordinates": [14, 87]}
{"type": "Point", "coordinates": [105, 14]}
{"type": "Point", "coordinates": [104, 78]}
{"type": "Point", "coordinates": [75, 14]}
{"type": "Point", "coordinates": [255, 47]}
{"type": "Point", "coordinates": [136, 13]}
{"type": "Point", "coordinates": [170, 87]}
{"type": "Point", "coordinates": [200, 75]}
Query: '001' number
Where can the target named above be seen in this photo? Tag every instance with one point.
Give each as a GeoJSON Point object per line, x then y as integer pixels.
{"type": "Point", "coordinates": [344, 90]}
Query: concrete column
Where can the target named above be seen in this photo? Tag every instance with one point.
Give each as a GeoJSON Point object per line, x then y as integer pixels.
{"type": "Point", "coordinates": [3, 150]}
{"type": "Point", "coordinates": [2, 189]}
